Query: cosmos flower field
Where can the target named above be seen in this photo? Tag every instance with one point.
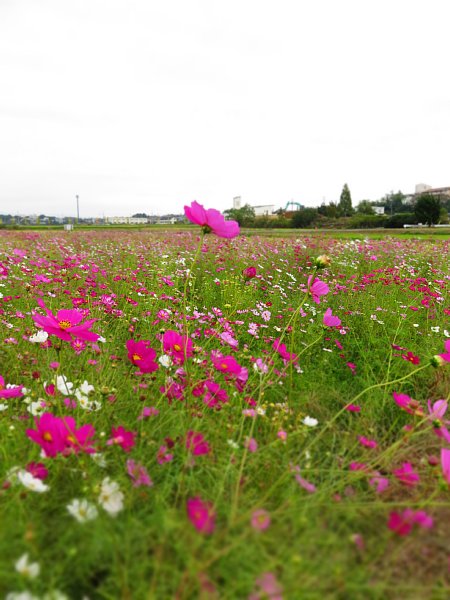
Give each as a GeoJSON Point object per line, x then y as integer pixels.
{"type": "Point", "coordinates": [222, 416]}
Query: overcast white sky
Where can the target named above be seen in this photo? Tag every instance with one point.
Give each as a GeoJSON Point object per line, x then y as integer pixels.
{"type": "Point", "coordinates": [145, 105]}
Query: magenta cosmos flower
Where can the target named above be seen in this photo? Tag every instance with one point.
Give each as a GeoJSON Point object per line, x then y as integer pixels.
{"type": "Point", "coordinates": [330, 320]}
{"type": "Point", "coordinates": [201, 515]}
{"type": "Point", "coordinates": [178, 346]}
{"type": "Point", "coordinates": [445, 463]}
{"type": "Point", "coordinates": [9, 392]}
{"type": "Point", "coordinates": [142, 355]}
{"type": "Point", "coordinates": [58, 435]}
{"type": "Point", "coordinates": [66, 324]}
{"type": "Point", "coordinates": [211, 220]}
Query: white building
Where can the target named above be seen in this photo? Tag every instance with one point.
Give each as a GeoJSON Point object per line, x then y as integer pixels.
{"type": "Point", "coordinates": [264, 210]}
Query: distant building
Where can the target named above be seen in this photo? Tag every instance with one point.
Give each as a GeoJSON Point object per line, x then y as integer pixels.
{"type": "Point", "coordinates": [378, 210]}
{"type": "Point", "coordinates": [422, 188]}
{"type": "Point", "coordinates": [264, 210]}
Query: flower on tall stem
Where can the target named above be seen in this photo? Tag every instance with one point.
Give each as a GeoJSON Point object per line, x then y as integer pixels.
{"type": "Point", "coordinates": [66, 324]}
{"type": "Point", "coordinates": [142, 355]}
{"type": "Point", "coordinates": [211, 220]}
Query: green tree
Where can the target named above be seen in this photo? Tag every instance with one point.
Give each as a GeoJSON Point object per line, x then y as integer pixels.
{"type": "Point", "coordinates": [244, 216]}
{"type": "Point", "coordinates": [304, 217]}
{"type": "Point", "coordinates": [428, 209]}
{"type": "Point", "coordinates": [345, 202]}
{"type": "Point", "coordinates": [365, 208]}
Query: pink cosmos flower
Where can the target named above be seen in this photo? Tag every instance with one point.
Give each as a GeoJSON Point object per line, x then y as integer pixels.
{"type": "Point", "coordinates": [406, 475]}
{"type": "Point", "coordinates": [196, 443]}
{"type": "Point", "coordinates": [445, 356]}
{"type": "Point", "coordinates": [366, 442]}
{"type": "Point", "coordinates": [260, 519]}
{"type": "Point", "coordinates": [163, 455]}
{"type": "Point", "coordinates": [330, 320]}
{"type": "Point", "coordinates": [178, 346]}
{"type": "Point", "coordinates": [214, 395]}
{"type": "Point", "coordinates": [66, 324]}
{"type": "Point", "coordinates": [123, 438]}
{"type": "Point", "coordinates": [251, 444]}
{"type": "Point", "coordinates": [38, 470]}
{"type": "Point", "coordinates": [59, 435]}
{"type": "Point", "coordinates": [267, 588]}
{"type": "Point", "coordinates": [411, 406]}
{"type": "Point", "coordinates": [317, 288]}
{"type": "Point", "coordinates": [3, 271]}
{"type": "Point", "coordinates": [138, 474]}
{"type": "Point", "coordinates": [445, 462]}
{"type": "Point", "coordinates": [402, 523]}
{"type": "Point", "coordinates": [437, 412]}
{"type": "Point", "coordinates": [282, 351]}
{"type": "Point", "coordinates": [379, 483]}
{"type": "Point", "coordinates": [211, 220]}
{"type": "Point", "coordinates": [226, 364]}
{"type": "Point", "coordinates": [201, 515]}
{"type": "Point", "coordinates": [10, 392]}
{"type": "Point", "coordinates": [142, 355]}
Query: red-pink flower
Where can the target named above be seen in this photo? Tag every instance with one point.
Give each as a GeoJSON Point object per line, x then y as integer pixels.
{"type": "Point", "coordinates": [330, 320]}
{"type": "Point", "coordinates": [402, 523]}
{"type": "Point", "coordinates": [317, 288]}
{"type": "Point", "coordinates": [10, 392]}
{"type": "Point", "coordinates": [66, 324]}
{"type": "Point", "coordinates": [121, 437]}
{"type": "Point", "coordinates": [142, 355]}
{"type": "Point", "coordinates": [196, 443]}
{"type": "Point", "coordinates": [267, 588]}
{"type": "Point", "coordinates": [249, 273]}
{"type": "Point", "coordinates": [59, 435]}
{"type": "Point", "coordinates": [211, 220]}
{"type": "Point", "coordinates": [410, 357]}
{"type": "Point", "coordinates": [445, 463]}
{"type": "Point", "coordinates": [379, 483]}
{"type": "Point", "coordinates": [406, 475]}
{"type": "Point", "coordinates": [163, 455]}
{"type": "Point", "coordinates": [178, 346]}
{"type": "Point", "coordinates": [38, 470]}
{"type": "Point", "coordinates": [201, 514]}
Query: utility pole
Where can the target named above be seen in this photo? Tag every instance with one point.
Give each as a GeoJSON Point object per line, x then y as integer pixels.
{"type": "Point", "coordinates": [78, 209]}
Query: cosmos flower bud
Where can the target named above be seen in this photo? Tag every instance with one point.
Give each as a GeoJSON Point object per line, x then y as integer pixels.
{"type": "Point", "coordinates": [437, 361]}
{"type": "Point", "coordinates": [322, 261]}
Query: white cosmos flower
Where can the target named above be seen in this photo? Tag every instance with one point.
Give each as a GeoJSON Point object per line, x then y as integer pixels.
{"type": "Point", "coordinates": [24, 567]}
{"type": "Point", "coordinates": [111, 498]}
{"type": "Point", "coordinates": [310, 422]}
{"type": "Point", "coordinates": [165, 360]}
{"type": "Point", "coordinates": [64, 386]}
{"type": "Point", "coordinates": [20, 596]}
{"type": "Point", "coordinates": [82, 510]}
{"type": "Point", "coordinates": [85, 388]}
{"type": "Point", "coordinates": [32, 483]}
{"type": "Point", "coordinates": [39, 337]}
{"type": "Point", "coordinates": [36, 408]}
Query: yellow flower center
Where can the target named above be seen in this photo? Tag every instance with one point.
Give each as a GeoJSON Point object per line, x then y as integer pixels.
{"type": "Point", "coordinates": [47, 436]}
{"type": "Point", "coordinates": [137, 357]}
{"type": "Point", "coordinates": [177, 347]}
{"type": "Point", "coordinates": [65, 324]}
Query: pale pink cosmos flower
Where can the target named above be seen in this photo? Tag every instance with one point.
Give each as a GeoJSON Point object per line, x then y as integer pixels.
{"type": "Point", "coordinates": [138, 474]}
{"type": "Point", "coordinates": [437, 412]}
{"type": "Point", "coordinates": [260, 519]}
{"type": "Point", "coordinates": [211, 220]}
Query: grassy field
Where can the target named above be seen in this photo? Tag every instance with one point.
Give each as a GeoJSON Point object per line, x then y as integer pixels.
{"type": "Point", "coordinates": [224, 419]}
